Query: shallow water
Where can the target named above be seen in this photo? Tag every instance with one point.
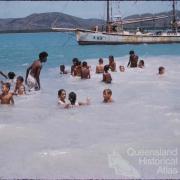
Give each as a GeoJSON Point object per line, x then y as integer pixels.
{"type": "Point", "coordinates": [38, 139]}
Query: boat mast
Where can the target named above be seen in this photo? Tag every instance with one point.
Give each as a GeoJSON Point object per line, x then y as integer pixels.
{"type": "Point", "coordinates": [108, 17]}
{"type": "Point", "coordinates": [174, 23]}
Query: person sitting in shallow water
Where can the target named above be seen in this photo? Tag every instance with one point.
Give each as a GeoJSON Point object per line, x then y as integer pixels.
{"type": "Point", "coordinates": [62, 69]}
{"type": "Point", "coordinates": [6, 97]}
{"type": "Point", "coordinates": [161, 70]}
{"type": "Point", "coordinates": [122, 68]}
{"type": "Point", "coordinates": [141, 64]}
{"type": "Point", "coordinates": [85, 72]}
{"type": "Point", "coordinates": [106, 75]}
{"type": "Point", "coordinates": [107, 95]}
{"type": "Point", "coordinates": [100, 67]}
{"type": "Point", "coordinates": [62, 98]}
{"type": "Point", "coordinates": [19, 88]}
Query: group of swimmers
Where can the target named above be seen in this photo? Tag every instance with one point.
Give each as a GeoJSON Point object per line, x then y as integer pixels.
{"type": "Point", "coordinates": [79, 69]}
{"type": "Point", "coordinates": [82, 69]}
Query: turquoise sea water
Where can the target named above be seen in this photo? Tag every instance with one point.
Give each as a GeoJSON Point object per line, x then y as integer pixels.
{"type": "Point", "coordinates": [19, 50]}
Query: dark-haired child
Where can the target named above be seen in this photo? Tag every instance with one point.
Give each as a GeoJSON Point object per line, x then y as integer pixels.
{"type": "Point", "coordinates": [6, 97]}
{"type": "Point", "coordinates": [19, 88]}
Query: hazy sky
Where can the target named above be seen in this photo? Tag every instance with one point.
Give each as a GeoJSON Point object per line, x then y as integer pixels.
{"type": "Point", "coordinates": [84, 9]}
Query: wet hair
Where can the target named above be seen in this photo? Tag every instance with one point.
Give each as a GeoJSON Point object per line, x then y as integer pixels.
{"type": "Point", "coordinates": [72, 97]}
{"type": "Point", "coordinates": [60, 92]}
{"type": "Point", "coordinates": [111, 58]}
{"type": "Point", "coordinates": [84, 64]}
{"type": "Point", "coordinates": [20, 78]}
{"type": "Point", "coordinates": [106, 68]}
{"type": "Point", "coordinates": [100, 60]}
{"type": "Point", "coordinates": [131, 52]}
{"type": "Point", "coordinates": [75, 60]}
{"type": "Point", "coordinates": [8, 85]}
{"type": "Point", "coordinates": [161, 68]}
{"type": "Point", "coordinates": [78, 63]}
{"type": "Point", "coordinates": [108, 91]}
{"type": "Point", "coordinates": [43, 55]}
{"type": "Point", "coordinates": [142, 62]}
{"type": "Point", "coordinates": [62, 66]}
{"type": "Point", "coordinates": [11, 75]}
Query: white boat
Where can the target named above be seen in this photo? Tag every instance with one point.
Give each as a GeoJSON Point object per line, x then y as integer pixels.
{"type": "Point", "coordinates": [87, 37]}
{"type": "Point", "coordinates": [115, 33]}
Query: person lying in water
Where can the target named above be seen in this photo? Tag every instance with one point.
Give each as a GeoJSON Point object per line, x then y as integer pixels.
{"type": "Point", "coordinates": [6, 97]}
{"type": "Point", "coordinates": [19, 88]}
{"type": "Point", "coordinates": [107, 95]}
{"type": "Point", "coordinates": [73, 100]}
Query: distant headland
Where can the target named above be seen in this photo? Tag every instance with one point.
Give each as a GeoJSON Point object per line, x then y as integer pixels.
{"type": "Point", "coordinates": [43, 22]}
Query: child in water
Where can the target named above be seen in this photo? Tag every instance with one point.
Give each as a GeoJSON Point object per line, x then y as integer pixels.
{"type": "Point", "coordinates": [77, 69]}
{"type": "Point", "coordinates": [6, 97]}
{"type": "Point", "coordinates": [161, 70]}
{"type": "Point", "coordinates": [62, 69]}
{"type": "Point", "coordinates": [73, 101]}
{"type": "Point", "coordinates": [107, 95]}
{"type": "Point", "coordinates": [106, 75]}
{"type": "Point", "coordinates": [141, 64]}
{"type": "Point", "coordinates": [121, 68]}
{"type": "Point", "coordinates": [112, 64]}
{"type": "Point", "coordinates": [62, 98]}
{"type": "Point", "coordinates": [100, 66]}
{"type": "Point", "coordinates": [19, 88]}
{"type": "Point", "coordinates": [85, 72]}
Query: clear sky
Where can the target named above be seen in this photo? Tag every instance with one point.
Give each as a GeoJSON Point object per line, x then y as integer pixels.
{"type": "Point", "coordinates": [83, 9]}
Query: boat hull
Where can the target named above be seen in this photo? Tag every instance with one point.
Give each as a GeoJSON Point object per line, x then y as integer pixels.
{"type": "Point", "coordinates": [92, 38]}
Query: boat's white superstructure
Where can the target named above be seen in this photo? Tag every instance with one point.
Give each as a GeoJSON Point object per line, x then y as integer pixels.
{"type": "Point", "coordinates": [92, 37]}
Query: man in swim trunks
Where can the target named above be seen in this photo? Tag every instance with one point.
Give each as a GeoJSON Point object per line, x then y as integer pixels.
{"type": "Point", "coordinates": [33, 72]}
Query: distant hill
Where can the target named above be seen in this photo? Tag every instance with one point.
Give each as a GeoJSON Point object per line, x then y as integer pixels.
{"type": "Point", "coordinates": [44, 21]}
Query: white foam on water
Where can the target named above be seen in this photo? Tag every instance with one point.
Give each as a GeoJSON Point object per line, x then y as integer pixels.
{"type": "Point", "coordinates": [38, 139]}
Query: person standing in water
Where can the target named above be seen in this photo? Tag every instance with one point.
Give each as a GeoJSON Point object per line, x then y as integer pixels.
{"type": "Point", "coordinates": [133, 59]}
{"type": "Point", "coordinates": [33, 72]}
